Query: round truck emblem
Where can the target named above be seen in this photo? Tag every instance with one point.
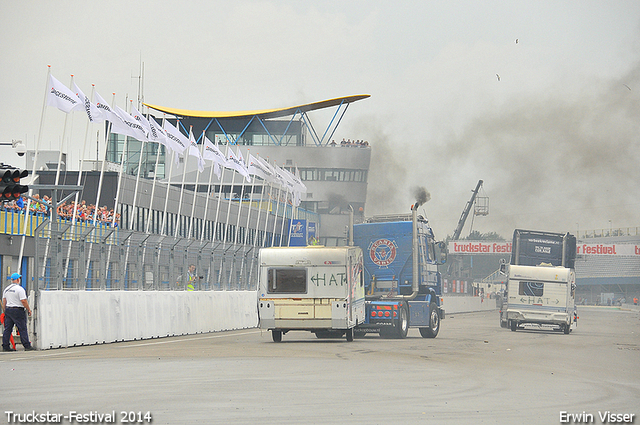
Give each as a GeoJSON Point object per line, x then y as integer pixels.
{"type": "Point", "coordinates": [382, 252]}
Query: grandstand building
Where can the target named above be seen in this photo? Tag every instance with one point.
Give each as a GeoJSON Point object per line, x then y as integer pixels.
{"type": "Point", "coordinates": [154, 196]}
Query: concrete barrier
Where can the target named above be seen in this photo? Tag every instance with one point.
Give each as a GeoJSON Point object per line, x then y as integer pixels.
{"type": "Point", "coordinates": [69, 318]}
{"type": "Point", "coordinates": [462, 304]}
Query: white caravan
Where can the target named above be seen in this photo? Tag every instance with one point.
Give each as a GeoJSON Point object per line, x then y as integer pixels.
{"type": "Point", "coordinates": [540, 295]}
{"type": "Point", "coordinates": [315, 288]}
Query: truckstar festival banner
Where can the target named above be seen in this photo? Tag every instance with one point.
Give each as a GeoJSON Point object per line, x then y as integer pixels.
{"type": "Point", "coordinates": [501, 247]}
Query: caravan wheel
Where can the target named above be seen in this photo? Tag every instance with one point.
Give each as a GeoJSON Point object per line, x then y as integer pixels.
{"type": "Point", "coordinates": [349, 335]}
{"type": "Point", "coordinates": [276, 335]}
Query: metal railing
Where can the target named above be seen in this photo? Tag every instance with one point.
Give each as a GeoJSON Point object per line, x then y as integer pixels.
{"type": "Point", "coordinates": [611, 232]}
{"type": "Point", "coordinates": [93, 258]}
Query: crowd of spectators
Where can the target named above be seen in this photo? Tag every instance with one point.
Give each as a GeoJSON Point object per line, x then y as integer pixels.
{"type": "Point", "coordinates": [84, 212]}
{"type": "Point", "coordinates": [349, 143]}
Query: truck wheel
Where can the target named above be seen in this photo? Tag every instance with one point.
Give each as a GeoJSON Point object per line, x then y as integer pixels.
{"type": "Point", "coordinates": [402, 327]}
{"type": "Point", "coordinates": [566, 329]}
{"type": "Point", "coordinates": [503, 322]}
{"type": "Point", "coordinates": [276, 335]}
{"type": "Point", "coordinates": [349, 335]}
{"type": "Point", "coordinates": [434, 323]}
{"type": "Point", "coordinates": [514, 325]}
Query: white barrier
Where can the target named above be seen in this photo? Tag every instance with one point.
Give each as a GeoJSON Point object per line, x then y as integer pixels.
{"type": "Point", "coordinates": [462, 304]}
{"type": "Point", "coordinates": [68, 318]}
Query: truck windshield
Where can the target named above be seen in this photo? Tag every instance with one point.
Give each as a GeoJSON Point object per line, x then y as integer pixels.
{"type": "Point", "coordinates": [532, 289]}
{"type": "Point", "coordinates": [287, 281]}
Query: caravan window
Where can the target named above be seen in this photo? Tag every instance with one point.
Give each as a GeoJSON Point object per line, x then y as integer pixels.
{"type": "Point", "coordinates": [287, 281]}
{"type": "Point", "coordinates": [532, 289]}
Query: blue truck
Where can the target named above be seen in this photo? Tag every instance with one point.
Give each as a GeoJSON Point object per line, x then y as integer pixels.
{"type": "Point", "coordinates": [401, 278]}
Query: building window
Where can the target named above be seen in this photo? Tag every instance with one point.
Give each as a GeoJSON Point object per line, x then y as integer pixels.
{"type": "Point", "coordinates": [333, 174]}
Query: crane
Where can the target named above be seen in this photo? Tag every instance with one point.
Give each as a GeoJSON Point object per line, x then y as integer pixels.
{"type": "Point", "coordinates": [455, 263]}
{"type": "Point", "coordinates": [465, 212]}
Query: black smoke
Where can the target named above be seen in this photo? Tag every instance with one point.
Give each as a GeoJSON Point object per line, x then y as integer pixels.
{"type": "Point", "coordinates": [421, 196]}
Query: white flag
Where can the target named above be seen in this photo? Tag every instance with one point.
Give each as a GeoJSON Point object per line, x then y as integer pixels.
{"type": "Point", "coordinates": [283, 177]}
{"type": "Point", "coordinates": [177, 142]}
{"type": "Point", "coordinates": [212, 153]}
{"type": "Point", "coordinates": [95, 115]}
{"type": "Point", "coordinates": [269, 167]}
{"type": "Point", "coordinates": [237, 163]}
{"type": "Point", "coordinates": [157, 133]}
{"type": "Point", "coordinates": [257, 168]}
{"type": "Point", "coordinates": [194, 151]}
{"type": "Point", "coordinates": [297, 181]}
{"type": "Point", "coordinates": [128, 125]}
{"type": "Point", "coordinates": [141, 120]}
{"type": "Point", "coordinates": [62, 97]}
{"type": "Point", "coordinates": [300, 188]}
{"type": "Point", "coordinates": [105, 109]}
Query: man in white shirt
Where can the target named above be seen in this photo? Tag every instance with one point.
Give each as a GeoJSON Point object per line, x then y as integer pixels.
{"type": "Point", "coordinates": [14, 304]}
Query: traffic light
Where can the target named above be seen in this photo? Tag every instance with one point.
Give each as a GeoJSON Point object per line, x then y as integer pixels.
{"type": "Point", "coordinates": [10, 187]}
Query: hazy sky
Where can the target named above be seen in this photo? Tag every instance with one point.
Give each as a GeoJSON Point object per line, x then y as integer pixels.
{"type": "Point", "coordinates": [556, 138]}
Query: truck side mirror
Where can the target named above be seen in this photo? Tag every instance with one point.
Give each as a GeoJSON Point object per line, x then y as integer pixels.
{"type": "Point", "coordinates": [442, 247]}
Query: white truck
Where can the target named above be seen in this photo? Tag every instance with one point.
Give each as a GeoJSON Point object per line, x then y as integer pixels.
{"type": "Point", "coordinates": [315, 288]}
{"type": "Point", "coordinates": [541, 284]}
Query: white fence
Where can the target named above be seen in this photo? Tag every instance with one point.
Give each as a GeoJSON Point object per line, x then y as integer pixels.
{"type": "Point", "coordinates": [70, 318]}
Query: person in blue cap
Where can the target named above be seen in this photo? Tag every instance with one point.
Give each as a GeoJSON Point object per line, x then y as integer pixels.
{"type": "Point", "coordinates": [16, 307]}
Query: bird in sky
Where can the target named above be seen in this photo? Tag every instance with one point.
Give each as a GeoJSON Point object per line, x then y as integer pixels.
{"type": "Point", "coordinates": [516, 41]}
{"type": "Point", "coordinates": [627, 86]}
{"type": "Point", "coordinates": [498, 77]}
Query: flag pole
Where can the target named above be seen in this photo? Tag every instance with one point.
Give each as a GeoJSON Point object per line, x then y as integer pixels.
{"type": "Point", "coordinates": [153, 185]}
{"type": "Point", "coordinates": [135, 191]}
{"type": "Point", "coordinates": [166, 198]}
{"type": "Point", "coordinates": [237, 235]}
{"type": "Point", "coordinates": [33, 173]}
{"type": "Point", "coordinates": [206, 203]}
{"type": "Point", "coordinates": [244, 242]}
{"type": "Point", "coordinates": [125, 147]}
{"type": "Point", "coordinates": [284, 215]}
{"type": "Point", "coordinates": [99, 193]}
{"type": "Point", "coordinates": [266, 212]}
{"type": "Point", "coordinates": [195, 191]}
{"type": "Point", "coordinates": [100, 180]}
{"type": "Point", "coordinates": [257, 238]}
{"type": "Point", "coordinates": [117, 198]}
{"type": "Point", "coordinates": [275, 219]}
{"type": "Point", "coordinates": [247, 231]}
{"type": "Point", "coordinates": [184, 173]}
{"type": "Point", "coordinates": [75, 207]}
{"type": "Point", "coordinates": [64, 135]}
{"type": "Point", "coordinates": [226, 224]}
{"type": "Point", "coordinates": [215, 222]}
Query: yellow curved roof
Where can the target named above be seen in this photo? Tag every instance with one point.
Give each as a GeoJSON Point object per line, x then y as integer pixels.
{"type": "Point", "coordinates": [263, 113]}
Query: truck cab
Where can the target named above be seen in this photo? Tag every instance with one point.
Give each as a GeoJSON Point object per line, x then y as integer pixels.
{"type": "Point", "coordinates": [401, 277]}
